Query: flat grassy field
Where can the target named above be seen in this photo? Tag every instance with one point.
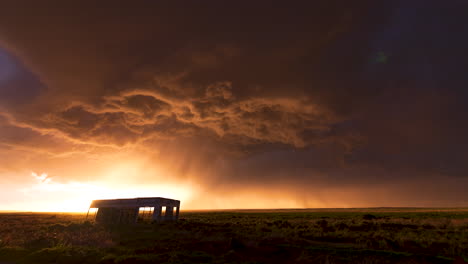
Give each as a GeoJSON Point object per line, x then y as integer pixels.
{"type": "Point", "coordinates": [379, 235]}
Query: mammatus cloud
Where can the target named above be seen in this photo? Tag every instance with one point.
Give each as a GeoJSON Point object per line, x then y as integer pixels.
{"type": "Point", "coordinates": [140, 114]}
{"type": "Point", "coordinates": [230, 98]}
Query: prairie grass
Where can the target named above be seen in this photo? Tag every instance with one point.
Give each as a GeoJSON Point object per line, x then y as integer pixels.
{"type": "Point", "coordinates": [270, 236]}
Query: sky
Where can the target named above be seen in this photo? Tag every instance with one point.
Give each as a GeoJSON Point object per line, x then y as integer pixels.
{"type": "Point", "coordinates": [234, 104]}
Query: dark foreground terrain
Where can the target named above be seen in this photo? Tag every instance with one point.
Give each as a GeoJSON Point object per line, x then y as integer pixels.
{"type": "Point", "coordinates": [275, 236]}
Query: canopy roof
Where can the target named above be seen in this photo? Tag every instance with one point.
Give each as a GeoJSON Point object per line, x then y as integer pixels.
{"type": "Point", "coordinates": [135, 202]}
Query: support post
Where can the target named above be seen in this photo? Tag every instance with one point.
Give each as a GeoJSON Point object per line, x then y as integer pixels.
{"type": "Point", "coordinates": [136, 211]}
{"type": "Point", "coordinates": [95, 214]}
{"type": "Point", "coordinates": [169, 213]}
{"type": "Point", "coordinates": [120, 216]}
{"type": "Point", "coordinates": [157, 213]}
{"type": "Point", "coordinates": [87, 213]}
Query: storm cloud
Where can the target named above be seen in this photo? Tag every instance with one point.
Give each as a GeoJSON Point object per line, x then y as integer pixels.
{"type": "Point", "coordinates": [362, 103]}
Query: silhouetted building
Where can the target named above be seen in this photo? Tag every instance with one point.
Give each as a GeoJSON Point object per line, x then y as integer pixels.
{"type": "Point", "coordinates": [117, 211]}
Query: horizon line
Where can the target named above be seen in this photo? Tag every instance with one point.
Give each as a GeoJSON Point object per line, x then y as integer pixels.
{"type": "Point", "coordinates": [265, 209]}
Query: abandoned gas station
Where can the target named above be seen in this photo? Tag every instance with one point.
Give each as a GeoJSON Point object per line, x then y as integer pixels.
{"type": "Point", "coordinates": [126, 211]}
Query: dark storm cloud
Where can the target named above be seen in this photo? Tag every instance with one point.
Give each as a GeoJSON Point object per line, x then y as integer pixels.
{"type": "Point", "coordinates": [316, 91]}
{"type": "Point", "coordinates": [18, 85]}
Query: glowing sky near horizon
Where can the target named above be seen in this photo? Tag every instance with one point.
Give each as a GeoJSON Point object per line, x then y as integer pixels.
{"type": "Point", "coordinates": [233, 105]}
